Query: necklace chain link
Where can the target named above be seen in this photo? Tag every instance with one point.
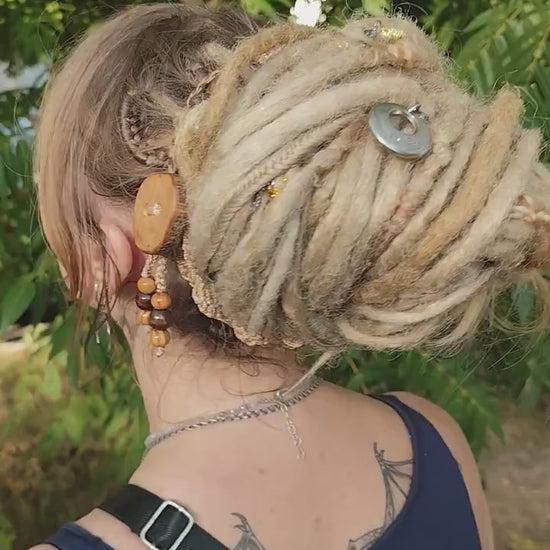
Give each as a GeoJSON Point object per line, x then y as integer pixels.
{"type": "Point", "coordinates": [281, 402]}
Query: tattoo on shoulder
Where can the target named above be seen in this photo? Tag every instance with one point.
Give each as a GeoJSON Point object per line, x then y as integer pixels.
{"type": "Point", "coordinates": [396, 475]}
{"type": "Point", "coordinates": [248, 540]}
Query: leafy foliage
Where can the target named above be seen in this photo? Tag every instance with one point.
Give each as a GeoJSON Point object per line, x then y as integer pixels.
{"type": "Point", "coordinates": [27, 269]}
{"type": "Point", "coordinates": [53, 25]}
{"type": "Point", "coordinates": [54, 439]}
{"type": "Point", "coordinates": [509, 43]}
{"type": "Point", "coordinates": [90, 420]}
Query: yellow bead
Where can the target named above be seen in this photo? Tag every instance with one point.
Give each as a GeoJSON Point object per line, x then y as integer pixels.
{"type": "Point", "coordinates": [285, 179]}
{"type": "Point", "coordinates": [272, 191]}
{"type": "Point", "coordinates": [161, 300]}
{"type": "Point", "coordinates": [143, 317]}
{"type": "Point", "coordinates": [146, 285]}
{"type": "Point", "coordinates": [159, 338]}
{"type": "Point", "coordinates": [391, 35]}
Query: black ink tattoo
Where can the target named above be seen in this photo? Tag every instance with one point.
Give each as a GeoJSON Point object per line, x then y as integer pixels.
{"type": "Point", "coordinates": [248, 540]}
{"type": "Point", "coordinates": [395, 474]}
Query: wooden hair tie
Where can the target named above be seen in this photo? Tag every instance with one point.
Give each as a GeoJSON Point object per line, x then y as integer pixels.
{"type": "Point", "coordinates": [156, 209]}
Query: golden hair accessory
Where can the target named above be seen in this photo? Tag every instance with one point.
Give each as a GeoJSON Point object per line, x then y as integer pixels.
{"type": "Point", "coordinates": [273, 190]}
{"type": "Point", "coordinates": [388, 35]}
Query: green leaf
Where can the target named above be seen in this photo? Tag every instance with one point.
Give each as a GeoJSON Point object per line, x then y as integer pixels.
{"type": "Point", "coordinates": [51, 386]}
{"type": "Point", "coordinates": [74, 421]}
{"type": "Point", "coordinates": [62, 336]}
{"type": "Point", "coordinates": [529, 396]}
{"type": "Point", "coordinates": [119, 421]}
{"type": "Point", "coordinates": [523, 299]}
{"type": "Point", "coordinates": [7, 533]}
{"type": "Point", "coordinates": [40, 303]}
{"type": "Point", "coordinates": [4, 185]}
{"type": "Point", "coordinates": [97, 348]}
{"type": "Point", "coordinates": [17, 299]}
{"type": "Point", "coordinates": [73, 364]}
{"type": "Point", "coordinates": [51, 440]}
{"type": "Point", "coordinates": [257, 7]}
{"type": "Point", "coordinates": [376, 7]}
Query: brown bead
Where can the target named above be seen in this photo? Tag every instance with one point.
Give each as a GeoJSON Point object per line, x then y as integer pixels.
{"type": "Point", "coordinates": [161, 300]}
{"type": "Point", "coordinates": [160, 319]}
{"type": "Point", "coordinates": [159, 338]}
{"type": "Point", "coordinates": [146, 285]}
{"type": "Point", "coordinates": [143, 317]}
{"type": "Point", "coordinates": [143, 301]}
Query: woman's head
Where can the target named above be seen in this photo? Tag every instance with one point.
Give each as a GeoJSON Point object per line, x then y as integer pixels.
{"type": "Point", "coordinates": [301, 228]}
{"type": "Point", "coordinates": [106, 121]}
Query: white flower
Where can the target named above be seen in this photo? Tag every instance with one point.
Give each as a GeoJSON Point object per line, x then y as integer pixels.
{"type": "Point", "coordinates": [308, 12]}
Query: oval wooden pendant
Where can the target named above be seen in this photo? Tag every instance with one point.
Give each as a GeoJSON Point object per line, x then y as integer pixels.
{"type": "Point", "coordinates": [155, 210]}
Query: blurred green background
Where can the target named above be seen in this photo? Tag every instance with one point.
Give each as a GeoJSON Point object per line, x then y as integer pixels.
{"type": "Point", "coordinates": [71, 422]}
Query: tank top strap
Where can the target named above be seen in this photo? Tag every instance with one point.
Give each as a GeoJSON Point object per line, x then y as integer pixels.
{"type": "Point", "coordinates": [437, 513]}
{"type": "Point", "coordinates": [73, 537]}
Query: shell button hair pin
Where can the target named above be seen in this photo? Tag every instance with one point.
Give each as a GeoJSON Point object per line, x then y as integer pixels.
{"type": "Point", "coordinates": [155, 211]}
{"type": "Point", "coordinates": [403, 131]}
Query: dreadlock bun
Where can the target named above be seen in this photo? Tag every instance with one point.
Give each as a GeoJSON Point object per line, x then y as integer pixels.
{"type": "Point", "coordinates": [357, 246]}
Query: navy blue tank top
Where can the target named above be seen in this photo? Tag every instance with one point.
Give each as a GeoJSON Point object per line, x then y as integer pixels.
{"type": "Point", "coordinates": [437, 513]}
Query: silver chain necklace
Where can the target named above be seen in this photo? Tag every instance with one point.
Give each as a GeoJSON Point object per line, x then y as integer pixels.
{"type": "Point", "coordinates": [281, 402]}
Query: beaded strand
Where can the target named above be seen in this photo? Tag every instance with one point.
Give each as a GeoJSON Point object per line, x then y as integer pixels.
{"type": "Point", "coordinates": [154, 302]}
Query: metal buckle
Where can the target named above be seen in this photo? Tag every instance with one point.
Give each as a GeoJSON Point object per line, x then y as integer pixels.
{"type": "Point", "coordinates": [155, 516]}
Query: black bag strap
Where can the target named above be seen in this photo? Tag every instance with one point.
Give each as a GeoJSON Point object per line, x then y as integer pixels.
{"type": "Point", "coordinates": [160, 524]}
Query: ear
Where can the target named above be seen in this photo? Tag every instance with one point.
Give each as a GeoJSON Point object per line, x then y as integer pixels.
{"type": "Point", "coordinates": [119, 254]}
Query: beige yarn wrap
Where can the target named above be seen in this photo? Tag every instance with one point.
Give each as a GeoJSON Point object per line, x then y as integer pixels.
{"type": "Point", "coordinates": [360, 247]}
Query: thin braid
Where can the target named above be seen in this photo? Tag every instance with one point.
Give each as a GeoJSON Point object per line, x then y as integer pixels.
{"type": "Point", "coordinates": [279, 163]}
{"type": "Point", "coordinates": [240, 190]}
{"type": "Point", "coordinates": [480, 233]}
{"type": "Point", "coordinates": [275, 218]}
{"type": "Point", "coordinates": [275, 68]}
{"type": "Point", "coordinates": [322, 108]}
{"type": "Point", "coordinates": [422, 181]}
{"type": "Point", "coordinates": [483, 170]}
{"type": "Point", "coordinates": [226, 87]}
{"type": "Point", "coordinates": [427, 208]}
{"type": "Point", "coordinates": [298, 84]}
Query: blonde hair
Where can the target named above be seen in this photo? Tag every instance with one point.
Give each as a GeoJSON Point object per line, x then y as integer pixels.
{"type": "Point", "coordinates": [359, 247]}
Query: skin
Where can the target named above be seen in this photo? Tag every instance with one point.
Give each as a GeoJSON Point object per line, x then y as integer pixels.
{"type": "Point", "coordinates": [243, 481]}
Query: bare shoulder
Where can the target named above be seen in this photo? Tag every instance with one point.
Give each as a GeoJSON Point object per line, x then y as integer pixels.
{"type": "Point", "coordinates": [456, 441]}
{"type": "Point", "coordinates": [43, 547]}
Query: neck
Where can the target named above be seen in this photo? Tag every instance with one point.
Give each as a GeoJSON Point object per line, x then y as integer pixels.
{"type": "Point", "coordinates": [191, 379]}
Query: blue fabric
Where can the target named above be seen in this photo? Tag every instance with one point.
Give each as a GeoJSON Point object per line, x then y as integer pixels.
{"type": "Point", "coordinates": [437, 514]}
{"type": "Point", "coordinates": [73, 537]}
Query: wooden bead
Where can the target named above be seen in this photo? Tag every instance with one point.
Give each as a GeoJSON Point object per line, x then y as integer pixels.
{"type": "Point", "coordinates": [143, 301]}
{"type": "Point", "coordinates": [160, 319]}
{"type": "Point", "coordinates": [143, 316]}
{"type": "Point", "coordinates": [146, 285]}
{"type": "Point", "coordinates": [161, 300]}
{"type": "Point", "coordinates": [159, 338]}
